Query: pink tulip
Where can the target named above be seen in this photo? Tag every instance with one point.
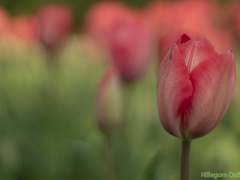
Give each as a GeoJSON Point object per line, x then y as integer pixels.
{"type": "Point", "coordinates": [4, 21]}
{"type": "Point", "coordinates": [195, 87]}
{"type": "Point", "coordinates": [124, 34]}
{"type": "Point", "coordinates": [55, 22]}
{"type": "Point", "coordinates": [232, 17]}
{"type": "Point", "coordinates": [129, 44]}
{"type": "Point", "coordinates": [101, 17]}
{"type": "Point", "coordinates": [26, 28]}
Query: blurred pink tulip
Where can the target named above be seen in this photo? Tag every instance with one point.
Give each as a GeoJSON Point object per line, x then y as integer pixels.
{"type": "Point", "coordinates": [129, 44]}
{"type": "Point", "coordinates": [109, 101]}
{"type": "Point", "coordinates": [4, 20]}
{"type": "Point", "coordinates": [55, 22]}
{"type": "Point", "coordinates": [232, 15]}
{"type": "Point", "coordinates": [186, 15]}
{"type": "Point", "coordinates": [195, 87]}
{"type": "Point", "coordinates": [102, 17]}
{"type": "Point", "coordinates": [124, 34]}
{"type": "Point", "coordinates": [26, 28]}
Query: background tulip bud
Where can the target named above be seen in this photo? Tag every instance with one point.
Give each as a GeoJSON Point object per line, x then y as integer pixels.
{"type": "Point", "coordinates": [55, 23]}
{"type": "Point", "coordinates": [195, 87]}
{"type": "Point", "coordinates": [109, 101]}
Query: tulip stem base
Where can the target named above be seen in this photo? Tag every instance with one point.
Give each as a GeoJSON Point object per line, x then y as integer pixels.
{"type": "Point", "coordinates": [185, 160]}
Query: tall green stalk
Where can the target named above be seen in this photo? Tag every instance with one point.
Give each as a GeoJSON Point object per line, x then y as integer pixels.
{"type": "Point", "coordinates": [185, 160]}
{"type": "Point", "coordinates": [109, 159]}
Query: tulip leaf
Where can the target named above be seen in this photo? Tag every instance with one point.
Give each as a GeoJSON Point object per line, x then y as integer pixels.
{"type": "Point", "coordinates": [150, 170]}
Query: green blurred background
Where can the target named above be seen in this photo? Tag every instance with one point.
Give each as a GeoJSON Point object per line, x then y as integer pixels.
{"type": "Point", "coordinates": [47, 123]}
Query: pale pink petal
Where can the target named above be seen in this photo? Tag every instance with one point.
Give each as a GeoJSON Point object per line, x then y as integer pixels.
{"type": "Point", "coordinates": [213, 83]}
{"type": "Point", "coordinates": [173, 91]}
{"type": "Point", "coordinates": [194, 52]}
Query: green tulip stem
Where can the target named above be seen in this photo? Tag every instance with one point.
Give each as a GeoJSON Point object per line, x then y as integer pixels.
{"type": "Point", "coordinates": [109, 159]}
{"type": "Point", "coordinates": [185, 159]}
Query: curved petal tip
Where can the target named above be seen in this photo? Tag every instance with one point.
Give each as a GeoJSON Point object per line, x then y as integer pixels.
{"type": "Point", "coordinates": [183, 39]}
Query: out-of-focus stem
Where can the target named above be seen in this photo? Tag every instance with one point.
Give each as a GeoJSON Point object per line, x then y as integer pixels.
{"type": "Point", "coordinates": [109, 159]}
{"type": "Point", "coordinates": [185, 160]}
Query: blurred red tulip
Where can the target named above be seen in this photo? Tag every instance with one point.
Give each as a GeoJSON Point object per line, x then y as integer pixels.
{"type": "Point", "coordinates": [26, 28]}
{"type": "Point", "coordinates": [4, 20]}
{"type": "Point", "coordinates": [55, 22]}
{"type": "Point", "coordinates": [195, 87]}
{"type": "Point", "coordinates": [232, 15]}
{"type": "Point", "coordinates": [130, 47]}
{"type": "Point", "coordinates": [186, 15]}
{"type": "Point", "coordinates": [102, 17]}
{"type": "Point", "coordinates": [125, 34]}
{"type": "Point", "coordinates": [109, 101]}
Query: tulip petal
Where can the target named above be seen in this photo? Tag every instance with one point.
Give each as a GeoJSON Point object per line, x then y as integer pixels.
{"type": "Point", "coordinates": [194, 52]}
{"type": "Point", "coordinates": [213, 83]}
{"type": "Point", "coordinates": [171, 100]}
{"type": "Point", "coordinates": [183, 39]}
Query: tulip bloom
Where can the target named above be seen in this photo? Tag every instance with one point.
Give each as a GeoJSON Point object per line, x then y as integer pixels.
{"type": "Point", "coordinates": [126, 36]}
{"type": "Point", "coordinates": [26, 28]}
{"type": "Point", "coordinates": [101, 17]}
{"type": "Point", "coordinates": [195, 87]}
{"type": "Point", "coordinates": [4, 21]}
{"type": "Point", "coordinates": [55, 22]}
{"type": "Point", "coordinates": [130, 47]}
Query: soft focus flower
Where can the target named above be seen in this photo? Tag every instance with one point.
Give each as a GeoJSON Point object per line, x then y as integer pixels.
{"type": "Point", "coordinates": [124, 34]}
{"type": "Point", "coordinates": [25, 28]}
{"type": "Point", "coordinates": [109, 100]}
{"type": "Point", "coordinates": [233, 13]}
{"type": "Point", "coordinates": [55, 22]}
{"type": "Point", "coordinates": [4, 21]}
{"type": "Point", "coordinates": [195, 87]}
{"type": "Point", "coordinates": [102, 17]}
{"type": "Point", "coordinates": [130, 47]}
{"type": "Point", "coordinates": [186, 15]}
{"type": "Point", "coordinates": [232, 18]}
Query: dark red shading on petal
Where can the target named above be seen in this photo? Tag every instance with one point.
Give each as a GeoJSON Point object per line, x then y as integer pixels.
{"type": "Point", "coordinates": [173, 89]}
{"type": "Point", "coordinates": [184, 38]}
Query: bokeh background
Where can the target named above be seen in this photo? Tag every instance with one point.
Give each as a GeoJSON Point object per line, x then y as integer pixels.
{"type": "Point", "coordinates": [53, 55]}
